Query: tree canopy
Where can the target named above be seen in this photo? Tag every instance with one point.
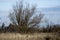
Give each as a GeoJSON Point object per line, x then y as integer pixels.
{"type": "Point", "coordinates": [23, 16]}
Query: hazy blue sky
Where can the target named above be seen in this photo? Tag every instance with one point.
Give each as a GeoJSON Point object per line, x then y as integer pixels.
{"type": "Point", "coordinates": [51, 9]}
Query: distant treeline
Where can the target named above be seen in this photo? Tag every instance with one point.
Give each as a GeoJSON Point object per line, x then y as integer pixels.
{"type": "Point", "coordinates": [14, 28]}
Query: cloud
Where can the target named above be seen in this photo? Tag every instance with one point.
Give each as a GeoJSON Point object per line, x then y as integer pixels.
{"type": "Point", "coordinates": [52, 14]}
{"type": "Point", "coordinates": [7, 0]}
{"type": "Point", "coordinates": [52, 9]}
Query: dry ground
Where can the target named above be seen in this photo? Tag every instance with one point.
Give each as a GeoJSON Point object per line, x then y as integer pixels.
{"type": "Point", "coordinates": [35, 36]}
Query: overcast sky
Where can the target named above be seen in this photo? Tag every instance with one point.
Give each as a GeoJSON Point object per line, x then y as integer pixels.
{"type": "Point", "coordinates": [51, 9]}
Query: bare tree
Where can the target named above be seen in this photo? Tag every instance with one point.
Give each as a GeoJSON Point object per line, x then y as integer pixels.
{"type": "Point", "coordinates": [22, 16]}
{"type": "Point", "coordinates": [3, 25]}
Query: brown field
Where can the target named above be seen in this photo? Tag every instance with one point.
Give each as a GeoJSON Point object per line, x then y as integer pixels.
{"type": "Point", "coordinates": [35, 36]}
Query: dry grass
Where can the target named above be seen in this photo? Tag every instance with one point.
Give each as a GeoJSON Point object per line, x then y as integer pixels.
{"type": "Point", "coordinates": [35, 36]}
